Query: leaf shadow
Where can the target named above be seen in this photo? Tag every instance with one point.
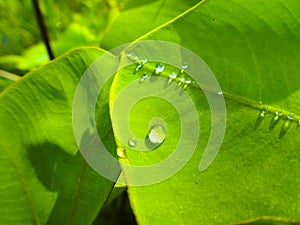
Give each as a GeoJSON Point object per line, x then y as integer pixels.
{"type": "Point", "coordinates": [58, 171]}
{"type": "Point", "coordinates": [258, 122]}
{"type": "Point", "coordinates": [70, 176]}
{"type": "Point", "coordinates": [274, 122]}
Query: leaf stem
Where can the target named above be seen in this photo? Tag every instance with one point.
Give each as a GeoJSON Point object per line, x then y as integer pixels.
{"type": "Point", "coordinates": [9, 76]}
{"type": "Point", "coordinates": [43, 28]}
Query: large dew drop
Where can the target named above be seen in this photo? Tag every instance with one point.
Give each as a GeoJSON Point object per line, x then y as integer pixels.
{"type": "Point", "coordinates": [157, 134]}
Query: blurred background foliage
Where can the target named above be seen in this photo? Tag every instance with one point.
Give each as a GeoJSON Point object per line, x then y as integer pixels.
{"type": "Point", "coordinates": [70, 24]}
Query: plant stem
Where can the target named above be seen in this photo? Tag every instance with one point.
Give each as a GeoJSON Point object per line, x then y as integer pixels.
{"type": "Point", "coordinates": [43, 28]}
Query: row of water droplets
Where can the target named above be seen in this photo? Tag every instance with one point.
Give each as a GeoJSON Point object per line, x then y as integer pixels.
{"type": "Point", "coordinates": [278, 115]}
{"type": "Point", "coordinates": [179, 77]}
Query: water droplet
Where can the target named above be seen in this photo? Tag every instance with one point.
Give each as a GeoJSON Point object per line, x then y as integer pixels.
{"type": "Point", "coordinates": [157, 134]}
{"type": "Point", "coordinates": [184, 66]}
{"type": "Point", "coordinates": [121, 152]}
{"type": "Point", "coordinates": [138, 67]}
{"type": "Point", "coordinates": [136, 58]}
{"type": "Point", "coordinates": [181, 81]}
{"type": "Point", "coordinates": [159, 68]}
{"type": "Point", "coordinates": [140, 64]}
{"type": "Point", "coordinates": [131, 143]}
{"type": "Point", "coordinates": [263, 113]}
{"type": "Point", "coordinates": [144, 77]}
{"type": "Point", "coordinates": [277, 115]}
{"type": "Point", "coordinates": [129, 54]}
{"type": "Point", "coordinates": [291, 117]}
{"type": "Point", "coordinates": [172, 76]}
{"type": "Point", "coordinates": [187, 82]}
{"type": "Point", "coordinates": [144, 61]}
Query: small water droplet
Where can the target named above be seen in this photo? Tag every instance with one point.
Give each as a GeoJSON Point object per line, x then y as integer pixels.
{"type": "Point", "coordinates": [157, 134]}
{"type": "Point", "coordinates": [291, 117]}
{"type": "Point", "coordinates": [159, 68]}
{"type": "Point", "coordinates": [140, 64]}
{"type": "Point", "coordinates": [260, 102]}
{"type": "Point", "coordinates": [136, 58]}
{"type": "Point", "coordinates": [184, 66]}
{"type": "Point", "coordinates": [131, 143]}
{"type": "Point", "coordinates": [277, 115]}
{"type": "Point", "coordinates": [144, 61]}
{"type": "Point", "coordinates": [129, 54]}
{"type": "Point", "coordinates": [121, 152]}
{"type": "Point", "coordinates": [181, 81]}
{"type": "Point", "coordinates": [263, 113]}
{"type": "Point", "coordinates": [187, 82]}
{"type": "Point", "coordinates": [220, 92]}
{"type": "Point", "coordinates": [144, 77]}
{"type": "Point", "coordinates": [138, 67]}
{"type": "Point", "coordinates": [172, 76]}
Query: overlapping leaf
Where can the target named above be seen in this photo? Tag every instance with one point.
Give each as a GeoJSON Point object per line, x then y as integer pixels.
{"type": "Point", "coordinates": [44, 179]}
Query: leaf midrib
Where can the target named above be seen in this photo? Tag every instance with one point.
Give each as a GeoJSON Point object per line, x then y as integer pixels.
{"type": "Point", "coordinates": [170, 21]}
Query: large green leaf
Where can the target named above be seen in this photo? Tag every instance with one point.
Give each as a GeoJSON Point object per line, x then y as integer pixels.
{"type": "Point", "coordinates": [44, 179]}
{"type": "Point", "coordinates": [251, 46]}
{"type": "Point", "coordinates": [135, 18]}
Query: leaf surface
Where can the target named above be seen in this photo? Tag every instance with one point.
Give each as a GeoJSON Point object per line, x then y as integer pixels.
{"type": "Point", "coordinates": [44, 179]}
{"type": "Point", "coordinates": [251, 46]}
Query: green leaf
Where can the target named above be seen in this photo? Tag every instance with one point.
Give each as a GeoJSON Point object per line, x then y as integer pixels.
{"type": "Point", "coordinates": [251, 46]}
{"type": "Point", "coordinates": [134, 18]}
{"type": "Point", "coordinates": [44, 179]}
